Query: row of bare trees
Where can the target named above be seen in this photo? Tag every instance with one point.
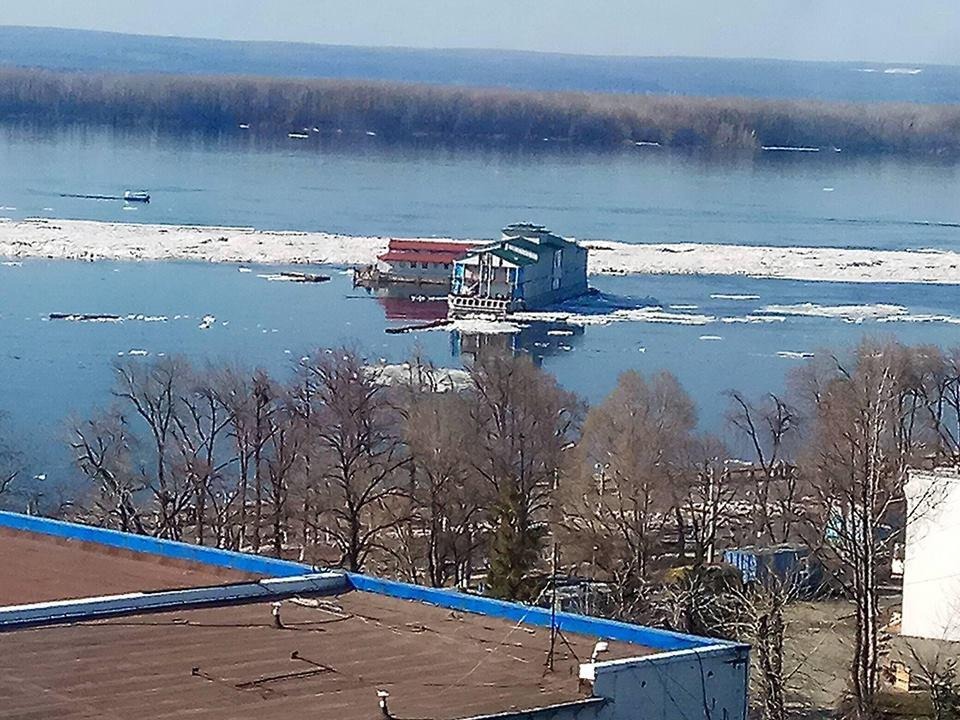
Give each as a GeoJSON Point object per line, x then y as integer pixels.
{"type": "Point", "coordinates": [408, 471]}
{"type": "Point", "coordinates": [413, 112]}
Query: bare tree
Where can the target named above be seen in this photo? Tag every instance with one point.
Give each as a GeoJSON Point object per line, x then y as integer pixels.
{"type": "Point", "coordinates": [521, 423]}
{"type": "Point", "coordinates": [448, 500]}
{"type": "Point", "coordinates": [103, 452]}
{"type": "Point", "coordinates": [864, 424]}
{"type": "Point", "coordinates": [632, 455]}
{"type": "Point", "coordinates": [769, 428]}
{"type": "Point", "coordinates": [356, 448]}
{"type": "Point", "coordinates": [704, 500]}
{"type": "Point", "coordinates": [200, 425]}
{"type": "Point", "coordinates": [152, 391]}
{"type": "Point", "coordinates": [11, 467]}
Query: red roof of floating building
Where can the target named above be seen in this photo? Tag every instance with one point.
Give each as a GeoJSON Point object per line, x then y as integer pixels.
{"type": "Point", "coordinates": [430, 251]}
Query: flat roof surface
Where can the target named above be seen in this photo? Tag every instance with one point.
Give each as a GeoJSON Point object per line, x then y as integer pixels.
{"type": "Point", "coordinates": [327, 662]}
{"type": "Point", "coordinates": [38, 568]}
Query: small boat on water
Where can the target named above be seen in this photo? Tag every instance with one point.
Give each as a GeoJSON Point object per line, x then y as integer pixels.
{"type": "Point", "coordinates": [136, 196]}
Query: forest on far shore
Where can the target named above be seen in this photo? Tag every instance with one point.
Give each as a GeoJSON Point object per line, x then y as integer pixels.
{"type": "Point", "coordinates": [417, 113]}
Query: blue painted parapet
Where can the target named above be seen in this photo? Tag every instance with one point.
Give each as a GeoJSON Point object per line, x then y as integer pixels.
{"type": "Point", "coordinates": [535, 616]}
{"type": "Point", "coordinates": [241, 562]}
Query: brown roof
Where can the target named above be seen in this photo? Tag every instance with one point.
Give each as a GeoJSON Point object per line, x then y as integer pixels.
{"type": "Point", "coordinates": [37, 568]}
{"type": "Point", "coordinates": [327, 663]}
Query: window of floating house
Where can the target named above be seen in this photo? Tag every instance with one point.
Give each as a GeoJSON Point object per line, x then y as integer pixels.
{"type": "Point", "coordinates": [413, 264]}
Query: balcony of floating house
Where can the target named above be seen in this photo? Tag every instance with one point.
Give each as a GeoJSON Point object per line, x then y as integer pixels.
{"type": "Point", "coordinates": [488, 281]}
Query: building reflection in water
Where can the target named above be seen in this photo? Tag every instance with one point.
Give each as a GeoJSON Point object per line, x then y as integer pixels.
{"type": "Point", "coordinates": [428, 303]}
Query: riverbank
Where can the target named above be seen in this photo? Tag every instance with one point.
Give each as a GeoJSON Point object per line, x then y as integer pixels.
{"type": "Point", "coordinates": [88, 240]}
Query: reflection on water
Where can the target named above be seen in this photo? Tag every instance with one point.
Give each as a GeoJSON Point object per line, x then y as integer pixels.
{"type": "Point", "coordinates": [539, 340]}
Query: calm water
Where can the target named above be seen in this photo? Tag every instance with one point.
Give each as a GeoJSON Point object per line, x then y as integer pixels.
{"type": "Point", "coordinates": [54, 369]}
{"type": "Point", "coordinates": [645, 195]}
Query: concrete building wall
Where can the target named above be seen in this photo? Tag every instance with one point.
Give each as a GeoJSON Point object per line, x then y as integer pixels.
{"type": "Point", "coordinates": [701, 684]}
{"type": "Point", "coordinates": [695, 684]}
{"type": "Point", "coordinates": [931, 563]}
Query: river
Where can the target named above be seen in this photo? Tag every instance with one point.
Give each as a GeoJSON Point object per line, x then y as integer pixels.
{"type": "Point", "coordinates": [56, 369]}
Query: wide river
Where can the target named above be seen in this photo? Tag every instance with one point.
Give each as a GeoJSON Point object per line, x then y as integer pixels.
{"type": "Point", "coordinates": [52, 370]}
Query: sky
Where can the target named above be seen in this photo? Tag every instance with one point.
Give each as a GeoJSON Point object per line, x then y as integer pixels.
{"type": "Point", "coordinates": [917, 31]}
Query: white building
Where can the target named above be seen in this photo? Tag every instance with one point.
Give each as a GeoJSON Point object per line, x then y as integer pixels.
{"type": "Point", "coordinates": [931, 563]}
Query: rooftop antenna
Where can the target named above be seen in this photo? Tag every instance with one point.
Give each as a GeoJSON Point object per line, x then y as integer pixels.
{"type": "Point", "coordinates": [275, 611]}
{"type": "Point", "coordinates": [382, 696]}
{"type": "Point", "coordinates": [553, 606]}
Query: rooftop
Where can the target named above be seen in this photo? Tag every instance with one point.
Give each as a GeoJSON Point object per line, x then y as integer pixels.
{"type": "Point", "coordinates": [200, 640]}
{"type": "Point", "coordinates": [328, 661]}
{"type": "Point", "coordinates": [38, 568]}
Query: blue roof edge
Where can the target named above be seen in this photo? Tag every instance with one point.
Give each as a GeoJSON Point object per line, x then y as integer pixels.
{"type": "Point", "coordinates": [600, 628]}
{"type": "Point", "coordinates": [242, 562]}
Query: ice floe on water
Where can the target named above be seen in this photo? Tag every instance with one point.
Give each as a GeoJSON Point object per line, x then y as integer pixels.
{"type": "Point", "coordinates": [603, 309]}
{"type": "Point", "coordinates": [732, 296]}
{"type": "Point", "coordinates": [710, 337]}
{"type": "Point", "coordinates": [207, 322]}
{"type": "Point", "coordinates": [849, 313]}
{"type": "Point", "coordinates": [922, 318]}
{"type": "Point", "coordinates": [148, 318]}
{"type": "Point", "coordinates": [794, 355]}
{"type": "Point", "coordinates": [753, 319]}
{"type": "Point", "coordinates": [654, 314]}
{"type": "Point", "coordinates": [89, 240]}
{"type": "Point", "coordinates": [137, 352]}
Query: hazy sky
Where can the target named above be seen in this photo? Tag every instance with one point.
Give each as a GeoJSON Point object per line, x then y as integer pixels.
{"type": "Point", "coordinates": [879, 30]}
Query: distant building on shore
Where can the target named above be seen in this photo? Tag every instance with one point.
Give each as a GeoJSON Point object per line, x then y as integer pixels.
{"type": "Point", "coordinates": [528, 268]}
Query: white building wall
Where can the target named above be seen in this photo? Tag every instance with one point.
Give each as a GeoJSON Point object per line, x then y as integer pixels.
{"type": "Point", "coordinates": [931, 563]}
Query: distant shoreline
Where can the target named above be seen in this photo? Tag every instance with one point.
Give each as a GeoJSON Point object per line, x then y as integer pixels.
{"type": "Point", "coordinates": [91, 240]}
{"type": "Point", "coordinates": [303, 110]}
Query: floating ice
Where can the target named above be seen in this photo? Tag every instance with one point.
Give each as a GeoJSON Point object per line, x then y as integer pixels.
{"type": "Point", "coordinates": [790, 354]}
{"type": "Point", "coordinates": [849, 313]}
{"type": "Point", "coordinates": [753, 319]}
{"type": "Point", "coordinates": [733, 296]}
{"type": "Point", "coordinates": [207, 322]}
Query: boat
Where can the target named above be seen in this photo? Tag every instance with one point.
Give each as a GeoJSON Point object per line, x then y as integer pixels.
{"type": "Point", "coordinates": [136, 196]}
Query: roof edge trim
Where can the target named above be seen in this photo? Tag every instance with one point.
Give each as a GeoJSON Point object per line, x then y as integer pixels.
{"type": "Point", "coordinates": [532, 615]}
{"type": "Point", "coordinates": [243, 562]}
